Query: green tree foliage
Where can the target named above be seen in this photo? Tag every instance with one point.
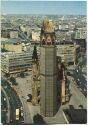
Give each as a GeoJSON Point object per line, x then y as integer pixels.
{"type": "Point", "coordinates": [22, 75]}
{"type": "Point", "coordinates": [38, 119]}
{"type": "Point", "coordinates": [13, 80]}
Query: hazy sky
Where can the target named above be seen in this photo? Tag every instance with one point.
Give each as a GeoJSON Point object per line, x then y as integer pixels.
{"type": "Point", "coordinates": [44, 7]}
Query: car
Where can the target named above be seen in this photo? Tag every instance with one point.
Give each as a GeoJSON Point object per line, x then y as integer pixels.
{"type": "Point", "coordinates": [4, 99]}
{"type": "Point", "coordinates": [28, 100]}
{"type": "Point", "coordinates": [21, 108]}
{"type": "Point", "coordinates": [78, 80]}
{"type": "Point", "coordinates": [22, 114]}
{"type": "Point", "coordinates": [77, 70]}
{"type": "Point", "coordinates": [22, 122]}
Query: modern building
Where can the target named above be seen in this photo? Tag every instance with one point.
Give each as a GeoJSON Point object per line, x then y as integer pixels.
{"type": "Point", "coordinates": [48, 75]}
{"type": "Point", "coordinates": [16, 62]}
{"type": "Point", "coordinates": [69, 53]}
{"type": "Point", "coordinates": [48, 71]}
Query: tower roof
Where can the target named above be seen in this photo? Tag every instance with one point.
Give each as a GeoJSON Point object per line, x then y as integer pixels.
{"type": "Point", "coordinates": [48, 26]}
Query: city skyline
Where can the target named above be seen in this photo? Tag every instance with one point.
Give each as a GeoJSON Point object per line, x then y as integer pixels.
{"type": "Point", "coordinates": [44, 7]}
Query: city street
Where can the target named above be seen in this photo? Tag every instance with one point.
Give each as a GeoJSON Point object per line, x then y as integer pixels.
{"type": "Point", "coordinates": [13, 100]}
{"type": "Point", "coordinates": [77, 97]}
{"type": "Point", "coordinates": [8, 105]}
{"type": "Point", "coordinates": [79, 74]}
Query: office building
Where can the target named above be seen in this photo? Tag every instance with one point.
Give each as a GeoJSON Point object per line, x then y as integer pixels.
{"type": "Point", "coordinates": [48, 71]}
{"type": "Point", "coordinates": [12, 62]}
{"type": "Point", "coordinates": [69, 53]}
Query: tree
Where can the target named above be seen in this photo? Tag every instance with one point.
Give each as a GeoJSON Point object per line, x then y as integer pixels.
{"type": "Point", "coordinates": [38, 119]}
{"type": "Point", "coordinates": [7, 75]}
{"type": "Point", "coordinates": [81, 106]}
{"type": "Point", "coordinates": [4, 50]}
{"type": "Point", "coordinates": [13, 80]}
{"type": "Point", "coordinates": [22, 75]}
{"type": "Point", "coordinates": [30, 97]}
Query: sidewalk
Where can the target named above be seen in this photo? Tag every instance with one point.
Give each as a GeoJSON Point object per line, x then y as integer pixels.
{"type": "Point", "coordinates": [33, 109]}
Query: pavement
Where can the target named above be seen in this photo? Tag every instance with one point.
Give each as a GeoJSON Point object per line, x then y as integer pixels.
{"type": "Point", "coordinates": [57, 119]}
{"type": "Point", "coordinates": [23, 89]}
{"type": "Point", "coordinates": [33, 109]}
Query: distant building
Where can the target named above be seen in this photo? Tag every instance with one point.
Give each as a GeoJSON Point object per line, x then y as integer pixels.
{"type": "Point", "coordinates": [16, 62]}
{"type": "Point", "coordinates": [14, 34]}
{"type": "Point", "coordinates": [13, 47]}
{"type": "Point", "coordinates": [24, 28]}
{"type": "Point", "coordinates": [9, 33]}
{"type": "Point", "coordinates": [81, 33]}
{"type": "Point", "coordinates": [35, 36]}
{"type": "Point", "coordinates": [5, 34]}
{"type": "Point", "coordinates": [82, 43]}
{"type": "Point", "coordinates": [63, 27]}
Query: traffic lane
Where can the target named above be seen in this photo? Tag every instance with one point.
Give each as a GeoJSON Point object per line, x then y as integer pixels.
{"type": "Point", "coordinates": [26, 111]}
{"type": "Point", "coordinates": [13, 100]}
{"type": "Point", "coordinates": [77, 97]}
{"type": "Point", "coordinates": [4, 108]}
{"type": "Point", "coordinates": [79, 77]}
{"type": "Point", "coordinates": [79, 82]}
{"type": "Point", "coordinates": [8, 104]}
{"type": "Point", "coordinates": [24, 85]}
{"type": "Point", "coordinates": [27, 118]}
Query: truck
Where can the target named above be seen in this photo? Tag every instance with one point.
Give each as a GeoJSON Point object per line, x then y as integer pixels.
{"type": "Point", "coordinates": [17, 114]}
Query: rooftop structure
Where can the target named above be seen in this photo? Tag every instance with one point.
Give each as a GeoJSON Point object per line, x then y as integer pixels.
{"type": "Point", "coordinates": [75, 116]}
